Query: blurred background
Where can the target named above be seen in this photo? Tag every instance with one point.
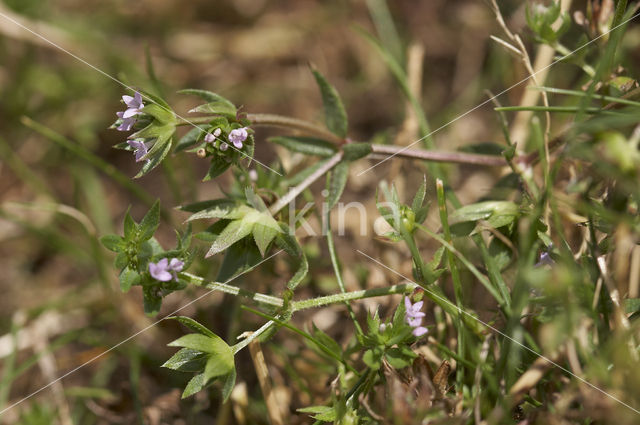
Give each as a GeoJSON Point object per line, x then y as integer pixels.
{"type": "Point", "coordinates": [62, 185]}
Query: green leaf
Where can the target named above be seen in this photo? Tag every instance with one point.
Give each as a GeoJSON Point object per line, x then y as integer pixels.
{"type": "Point", "coordinates": [335, 115]}
{"type": "Point", "coordinates": [152, 301]}
{"type": "Point", "coordinates": [155, 156]}
{"type": "Point", "coordinates": [418, 199]}
{"type": "Point", "coordinates": [337, 183]}
{"type": "Point", "coordinates": [483, 211]}
{"type": "Point", "coordinates": [221, 356]}
{"type": "Point", "coordinates": [218, 365]}
{"type": "Point", "coordinates": [400, 358]}
{"type": "Point", "coordinates": [162, 114]}
{"type": "Point", "coordinates": [229, 381]}
{"type": "Point", "coordinates": [222, 208]}
{"type": "Point", "coordinates": [194, 325]}
{"type": "Point", "coordinates": [287, 241]}
{"type": "Point", "coordinates": [327, 341]}
{"type": "Point", "coordinates": [203, 343]}
{"type": "Point", "coordinates": [113, 243]}
{"type": "Point", "coordinates": [632, 305]}
{"type": "Point", "coordinates": [263, 235]}
{"type": "Point", "coordinates": [237, 230]}
{"type": "Point", "coordinates": [130, 227]}
{"type": "Point", "coordinates": [121, 260]}
{"type": "Point", "coordinates": [218, 166]}
{"type": "Point", "coordinates": [354, 151]}
{"type": "Point", "coordinates": [239, 258]}
{"type": "Point", "coordinates": [320, 413]}
{"type": "Point", "coordinates": [373, 358]}
{"type": "Point", "coordinates": [128, 278]}
{"type": "Point", "coordinates": [187, 360]}
{"type": "Point", "coordinates": [216, 104]}
{"type": "Point", "coordinates": [305, 145]}
{"type": "Point", "coordinates": [188, 140]}
{"type": "Point", "coordinates": [150, 222]}
{"type": "Point", "coordinates": [195, 385]}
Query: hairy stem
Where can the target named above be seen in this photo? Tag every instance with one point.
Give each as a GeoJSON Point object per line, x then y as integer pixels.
{"type": "Point", "coordinates": [351, 296]}
{"type": "Point", "coordinates": [294, 192]}
{"type": "Point", "coordinates": [439, 156]}
{"type": "Point", "coordinates": [272, 120]}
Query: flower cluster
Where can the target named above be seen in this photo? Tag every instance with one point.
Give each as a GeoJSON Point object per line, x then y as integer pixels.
{"type": "Point", "coordinates": [128, 116]}
{"type": "Point", "coordinates": [165, 270]}
{"type": "Point", "coordinates": [414, 317]}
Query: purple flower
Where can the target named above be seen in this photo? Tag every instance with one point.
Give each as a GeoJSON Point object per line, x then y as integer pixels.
{"type": "Point", "coordinates": [211, 137]}
{"type": "Point", "coordinates": [127, 123]}
{"type": "Point", "coordinates": [165, 270]}
{"type": "Point", "coordinates": [224, 146]}
{"type": "Point", "coordinates": [140, 148]}
{"type": "Point", "coordinates": [545, 258]}
{"type": "Point", "coordinates": [414, 316]}
{"type": "Point", "coordinates": [238, 136]}
{"type": "Point", "coordinates": [419, 331]}
{"type": "Point", "coordinates": [134, 105]}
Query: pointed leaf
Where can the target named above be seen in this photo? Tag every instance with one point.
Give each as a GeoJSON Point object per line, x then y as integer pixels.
{"type": "Point", "coordinates": [150, 222]}
{"type": "Point", "coordinates": [195, 385]}
{"type": "Point", "coordinates": [193, 325]}
{"type": "Point", "coordinates": [113, 243]}
{"type": "Point", "coordinates": [337, 182]}
{"type": "Point", "coordinates": [187, 360]}
{"type": "Point", "coordinates": [354, 151]}
{"type": "Point", "coordinates": [334, 113]}
{"type": "Point", "coordinates": [128, 278]}
{"type": "Point", "coordinates": [229, 381]}
{"type": "Point", "coordinates": [418, 200]}
{"type": "Point", "coordinates": [231, 234]}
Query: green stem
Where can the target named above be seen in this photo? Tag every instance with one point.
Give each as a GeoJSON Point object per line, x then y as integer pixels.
{"type": "Point", "coordinates": [336, 267]}
{"type": "Point", "coordinates": [611, 99]}
{"type": "Point", "coordinates": [293, 193]}
{"type": "Point", "coordinates": [555, 109]}
{"type": "Point", "coordinates": [485, 282]}
{"type": "Point", "coordinates": [234, 290]}
{"type": "Point", "coordinates": [351, 296]}
{"type": "Point", "coordinates": [305, 335]}
{"type": "Point", "coordinates": [455, 277]}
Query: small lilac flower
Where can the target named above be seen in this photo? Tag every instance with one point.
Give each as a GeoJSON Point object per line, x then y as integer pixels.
{"type": "Point", "coordinates": [159, 270]}
{"type": "Point", "coordinates": [382, 327]}
{"type": "Point", "coordinates": [238, 136]}
{"type": "Point", "coordinates": [211, 137]}
{"type": "Point", "coordinates": [545, 258]}
{"type": "Point", "coordinates": [140, 148]}
{"type": "Point", "coordinates": [165, 270]}
{"type": "Point", "coordinates": [175, 266]}
{"type": "Point", "coordinates": [127, 123]}
{"type": "Point", "coordinates": [414, 316]}
{"type": "Point", "coordinates": [253, 175]}
{"type": "Point", "coordinates": [419, 331]}
{"type": "Point", "coordinates": [224, 146]}
{"type": "Point", "coordinates": [134, 105]}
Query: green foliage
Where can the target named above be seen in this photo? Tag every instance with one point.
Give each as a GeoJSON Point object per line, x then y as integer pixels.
{"type": "Point", "coordinates": [335, 115]}
{"type": "Point", "coordinates": [205, 354]}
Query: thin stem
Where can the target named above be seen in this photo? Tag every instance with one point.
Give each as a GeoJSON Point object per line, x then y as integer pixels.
{"type": "Point", "coordinates": [455, 276]}
{"type": "Point", "coordinates": [293, 193]}
{"type": "Point", "coordinates": [272, 120]}
{"type": "Point", "coordinates": [234, 290]}
{"type": "Point", "coordinates": [351, 296]}
{"type": "Point", "coordinates": [336, 267]}
{"type": "Point", "coordinates": [305, 335]}
{"type": "Point", "coordinates": [440, 156]}
{"type": "Point", "coordinates": [556, 109]}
